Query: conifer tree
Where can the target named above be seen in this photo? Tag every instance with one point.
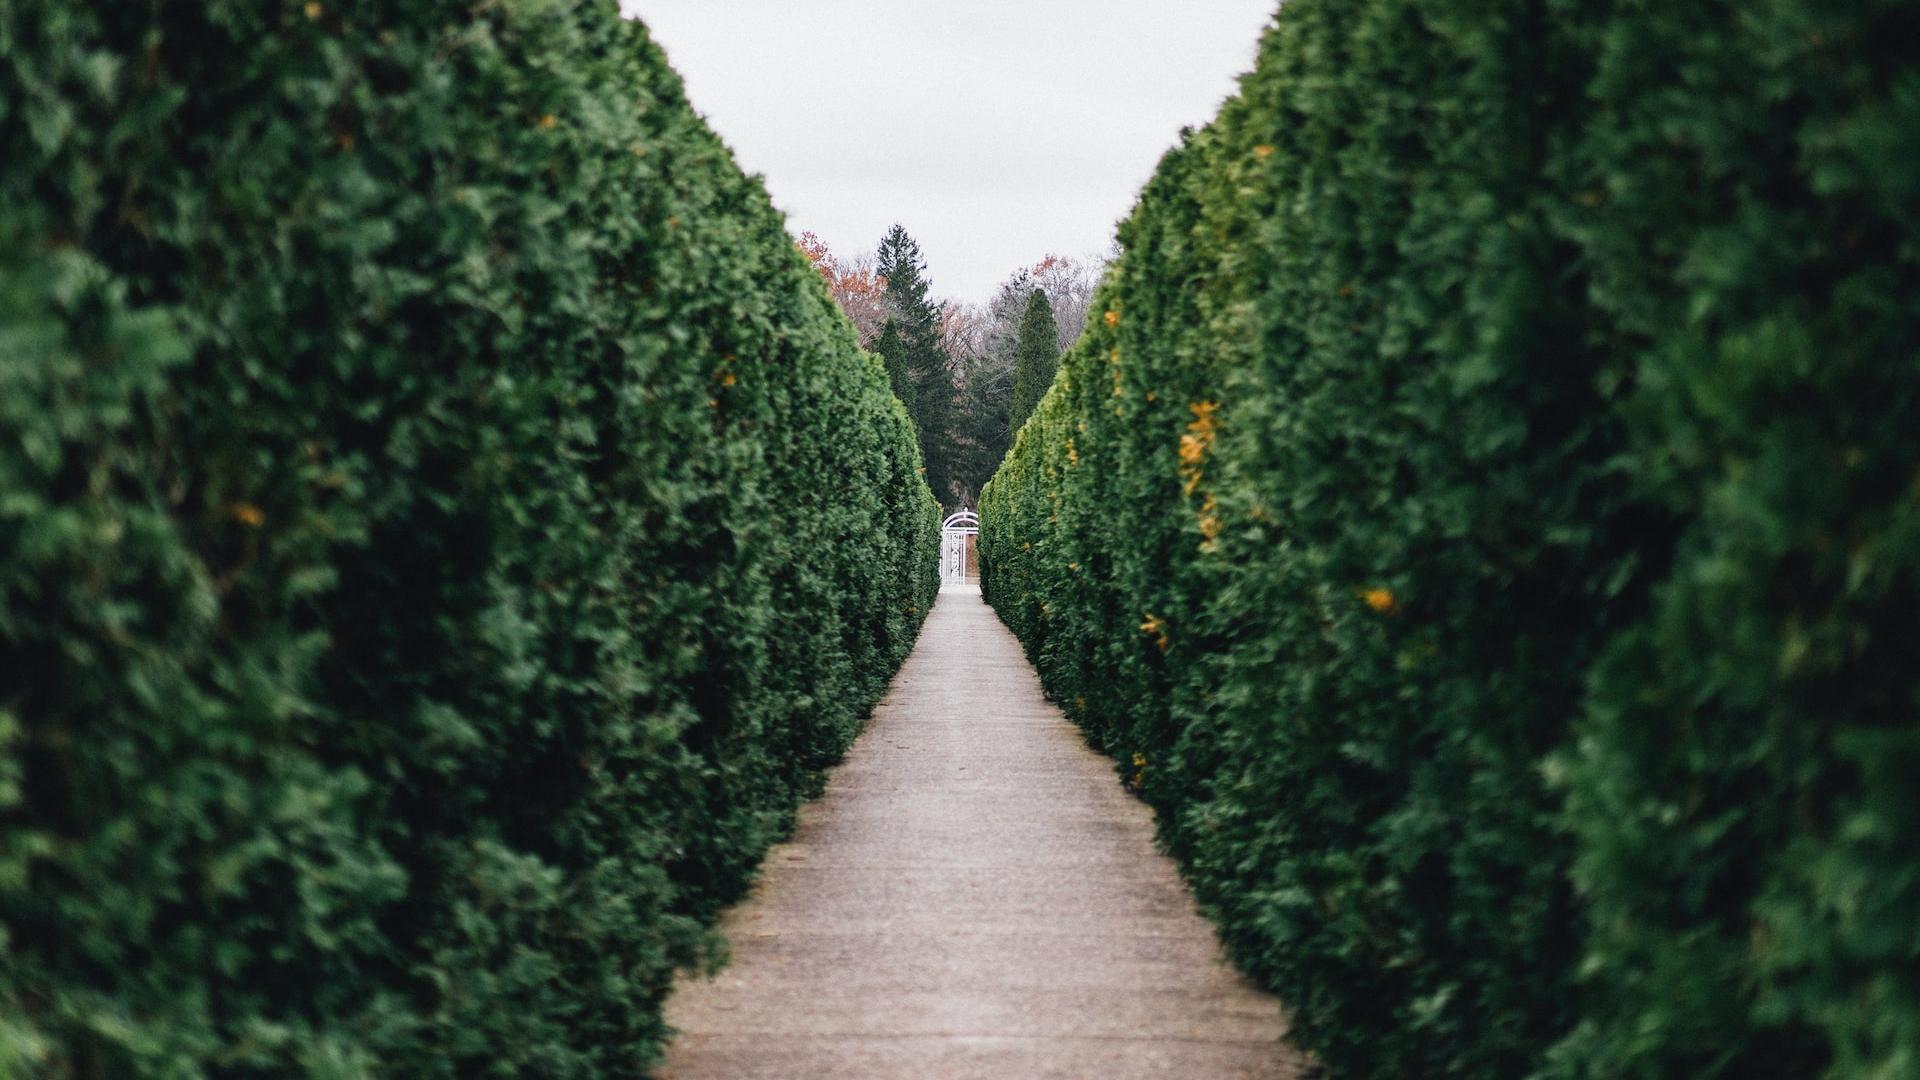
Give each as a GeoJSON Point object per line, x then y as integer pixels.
{"type": "Point", "coordinates": [921, 360]}
{"type": "Point", "coordinates": [1036, 358]}
{"type": "Point", "coordinates": [892, 349]}
{"type": "Point", "coordinates": [902, 268]}
{"type": "Point", "coordinates": [981, 435]}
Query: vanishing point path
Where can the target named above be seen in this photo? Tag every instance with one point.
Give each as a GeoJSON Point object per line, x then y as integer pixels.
{"type": "Point", "coordinates": [974, 896]}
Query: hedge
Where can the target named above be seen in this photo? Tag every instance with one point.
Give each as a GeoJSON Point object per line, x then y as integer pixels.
{"type": "Point", "coordinates": [445, 527]}
{"type": "Point", "coordinates": [1482, 518]}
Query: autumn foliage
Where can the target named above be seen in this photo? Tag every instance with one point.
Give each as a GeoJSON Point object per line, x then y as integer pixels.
{"type": "Point", "coordinates": [853, 284]}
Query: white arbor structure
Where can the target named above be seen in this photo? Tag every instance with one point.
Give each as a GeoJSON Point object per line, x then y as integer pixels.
{"type": "Point", "coordinates": [957, 539]}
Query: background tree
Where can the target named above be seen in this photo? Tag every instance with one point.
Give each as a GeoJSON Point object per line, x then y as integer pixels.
{"type": "Point", "coordinates": [963, 334]}
{"type": "Point", "coordinates": [893, 351]}
{"type": "Point", "coordinates": [1036, 358]}
{"type": "Point", "coordinates": [922, 362]}
{"type": "Point", "coordinates": [952, 364]}
{"type": "Point", "coordinates": [1070, 284]}
{"type": "Point", "coordinates": [984, 392]}
{"type": "Point", "coordinates": [982, 341]}
{"type": "Point", "coordinates": [854, 284]}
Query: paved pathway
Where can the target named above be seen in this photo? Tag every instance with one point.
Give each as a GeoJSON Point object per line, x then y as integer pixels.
{"type": "Point", "coordinates": [974, 896]}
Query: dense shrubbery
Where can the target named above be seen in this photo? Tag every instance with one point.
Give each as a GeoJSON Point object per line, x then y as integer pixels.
{"type": "Point", "coordinates": [1483, 518]}
{"type": "Point", "coordinates": [444, 529]}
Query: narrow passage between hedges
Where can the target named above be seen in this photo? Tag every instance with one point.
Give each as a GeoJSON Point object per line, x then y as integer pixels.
{"type": "Point", "coordinates": [974, 896]}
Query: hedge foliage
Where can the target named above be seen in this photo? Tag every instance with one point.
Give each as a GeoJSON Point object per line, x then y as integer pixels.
{"type": "Point", "coordinates": [1483, 518]}
{"type": "Point", "coordinates": [445, 527]}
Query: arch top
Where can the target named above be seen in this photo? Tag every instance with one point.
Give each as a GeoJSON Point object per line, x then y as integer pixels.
{"type": "Point", "coordinates": [959, 537]}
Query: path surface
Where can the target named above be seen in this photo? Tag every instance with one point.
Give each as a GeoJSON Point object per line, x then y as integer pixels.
{"type": "Point", "coordinates": [974, 896]}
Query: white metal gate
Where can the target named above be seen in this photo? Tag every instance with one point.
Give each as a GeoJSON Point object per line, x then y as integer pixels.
{"type": "Point", "coordinates": [956, 543]}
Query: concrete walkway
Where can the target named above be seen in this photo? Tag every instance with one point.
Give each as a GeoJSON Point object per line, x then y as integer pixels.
{"type": "Point", "coordinates": [974, 896]}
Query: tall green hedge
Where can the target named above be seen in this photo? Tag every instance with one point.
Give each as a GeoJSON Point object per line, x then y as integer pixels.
{"type": "Point", "coordinates": [1483, 518]}
{"type": "Point", "coordinates": [445, 527]}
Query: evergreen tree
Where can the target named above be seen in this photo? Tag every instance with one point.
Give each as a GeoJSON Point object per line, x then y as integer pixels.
{"type": "Point", "coordinates": [893, 350]}
{"type": "Point", "coordinates": [980, 423]}
{"type": "Point", "coordinates": [904, 271]}
{"type": "Point", "coordinates": [1036, 358]}
{"type": "Point", "coordinates": [922, 363]}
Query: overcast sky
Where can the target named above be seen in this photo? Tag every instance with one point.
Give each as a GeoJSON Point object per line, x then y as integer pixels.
{"type": "Point", "coordinates": [996, 131]}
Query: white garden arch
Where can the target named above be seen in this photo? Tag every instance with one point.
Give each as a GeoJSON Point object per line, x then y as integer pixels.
{"type": "Point", "coordinates": [957, 539]}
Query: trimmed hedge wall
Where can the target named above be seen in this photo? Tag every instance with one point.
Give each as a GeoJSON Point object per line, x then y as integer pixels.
{"type": "Point", "coordinates": [445, 528]}
{"type": "Point", "coordinates": [1483, 519]}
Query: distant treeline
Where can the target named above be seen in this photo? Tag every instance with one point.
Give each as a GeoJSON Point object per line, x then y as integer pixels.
{"type": "Point", "coordinates": [968, 373]}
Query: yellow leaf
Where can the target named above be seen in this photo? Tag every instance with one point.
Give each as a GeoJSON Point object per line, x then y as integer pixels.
{"type": "Point", "coordinates": [1192, 450]}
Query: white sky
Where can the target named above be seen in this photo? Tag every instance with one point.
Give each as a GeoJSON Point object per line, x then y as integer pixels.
{"type": "Point", "coordinates": [996, 131]}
